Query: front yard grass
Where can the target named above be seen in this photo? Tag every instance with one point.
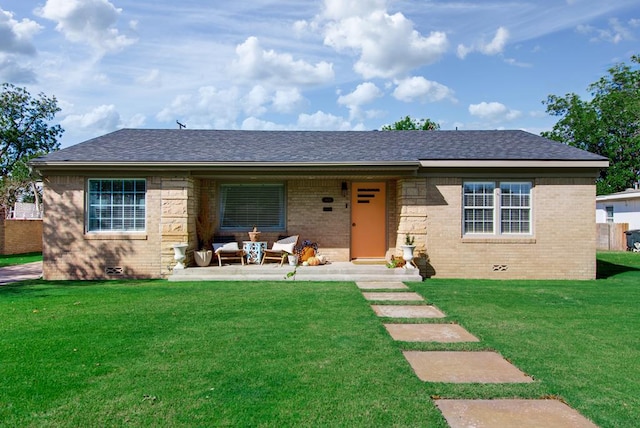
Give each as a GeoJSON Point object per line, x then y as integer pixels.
{"type": "Point", "coordinates": [154, 353]}
{"type": "Point", "coordinates": [18, 259]}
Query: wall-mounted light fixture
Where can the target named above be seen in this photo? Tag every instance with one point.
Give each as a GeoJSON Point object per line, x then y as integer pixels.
{"type": "Point", "coordinates": [344, 189]}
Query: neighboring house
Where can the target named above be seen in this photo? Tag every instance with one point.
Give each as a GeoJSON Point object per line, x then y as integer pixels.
{"type": "Point", "coordinates": [621, 207]}
{"type": "Point", "coordinates": [481, 204]}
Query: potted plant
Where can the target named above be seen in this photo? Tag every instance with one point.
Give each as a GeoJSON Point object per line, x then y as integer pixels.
{"type": "Point", "coordinates": [204, 230]}
{"type": "Point", "coordinates": [407, 250]}
{"type": "Point", "coordinates": [254, 234]}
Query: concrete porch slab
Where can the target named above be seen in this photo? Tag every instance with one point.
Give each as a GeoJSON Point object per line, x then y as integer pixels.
{"type": "Point", "coordinates": [518, 413]}
{"type": "Point", "coordinates": [334, 271]}
{"type": "Point", "coordinates": [381, 285]}
{"type": "Point", "coordinates": [395, 296]}
{"type": "Point", "coordinates": [443, 333]}
{"type": "Point", "coordinates": [407, 311]}
{"type": "Point", "coordinates": [464, 367]}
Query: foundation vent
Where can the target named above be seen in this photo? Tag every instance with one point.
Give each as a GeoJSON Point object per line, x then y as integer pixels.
{"type": "Point", "coordinates": [114, 271]}
{"type": "Point", "coordinates": [500, 268]}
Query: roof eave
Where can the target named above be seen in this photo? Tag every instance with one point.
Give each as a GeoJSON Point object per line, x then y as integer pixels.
{"type": "Point", "coordinates": [478, 163]}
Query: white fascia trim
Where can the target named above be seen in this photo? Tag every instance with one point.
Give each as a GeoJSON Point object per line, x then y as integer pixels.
{"type": "Point", "coordinates": [618, 197]}
{"type": "Point", "coordinates": [512, 164]}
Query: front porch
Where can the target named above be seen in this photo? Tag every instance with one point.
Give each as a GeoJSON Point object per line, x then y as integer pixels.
{"type": "Point", "coordinates": [335, 271]}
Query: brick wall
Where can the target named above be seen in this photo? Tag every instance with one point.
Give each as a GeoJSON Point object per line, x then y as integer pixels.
{"type": "Point", "coordinates": [70, 253]}
{"type": "Point", "coordinates": [562, 245]}
{"type": "Point", "coordinates": [20, 236]}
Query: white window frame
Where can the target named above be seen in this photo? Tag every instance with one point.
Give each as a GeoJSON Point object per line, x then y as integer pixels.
{"type": "Point", "coordinates": [483, 205]}
{"type": "Point", "coordinates": [122, 210]}
{"type": "Point", "coordinates": [609, 213]}
{"type": "Point", "coordinates": [254, 209]}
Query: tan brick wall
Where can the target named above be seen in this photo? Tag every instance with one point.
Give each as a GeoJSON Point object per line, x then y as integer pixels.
{"type": "Point", "coordinates": [20, 236]}
{"type": "Point", "coordinates": [562, 245]}
{"type": "Point", "coordinates": [70, 253]}
{"type": "Point", "coordinates": [306, 217]}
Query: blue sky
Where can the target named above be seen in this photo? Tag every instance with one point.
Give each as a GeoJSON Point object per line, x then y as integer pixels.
{"type": "Point", "coordinates": [310, 65]}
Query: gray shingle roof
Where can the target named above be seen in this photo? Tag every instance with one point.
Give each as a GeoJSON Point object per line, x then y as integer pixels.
{"type": "Point", "coordinates": [299, 147]}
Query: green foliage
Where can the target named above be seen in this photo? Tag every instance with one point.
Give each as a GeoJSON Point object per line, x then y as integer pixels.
{"type": "Point", "coordinates": [409, 124]}
{"type": "Point", "coordinates": [25, 132]}
{"type": "Point", "coordinates": [608, 124]}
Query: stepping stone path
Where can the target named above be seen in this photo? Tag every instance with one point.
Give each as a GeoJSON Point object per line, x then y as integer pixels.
{"type": "Point", "coordinates": [400, 297]}
{"type": "Point", "coordinates": [407, 311]}
{"type": "Point", "coordinates": [511, 413]}
{"type": "Point", "coordinates": [466, 367]}
{"type": "Point", "coordinates": [443, 333]}
{"type": "Point", "coordinates": [371, 285]}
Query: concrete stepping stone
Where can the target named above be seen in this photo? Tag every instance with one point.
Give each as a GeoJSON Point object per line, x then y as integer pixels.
{"type": "Point", "coordinates": [464, 367]}
{"type": "Point", "coordinates": [443, 333]}
{"type": "Point", "coordinates": [372, 285]}
{"type": "Point", "coordinates": [518, 413]}
{"type": "Point", "coordinates": [407, 311]}
{"type": "Point", "coordinates": [401, 296]}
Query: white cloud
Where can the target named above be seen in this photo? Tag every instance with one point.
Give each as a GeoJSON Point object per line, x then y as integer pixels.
{"type": "Point", "coordinates": [12, 71]}
{"type": "Point", "coordinates": [616, 33]}
{"type": "Point", "coordinates": [15, 36]}
{"type": "Point", "coordinates": [152, 78]}
{"type": "Point", "coordinates": [254, 124]}
{"type": "Point", "coordinates": [253, 103]}
{"type": "Point", "coordinates": [493, 47]}
{"type": "Point", "coordinates": [388, 45]}
{"type": "Point", "coordinates": [100, 120]}
{"type": "Point", "coordinates": [493, 111]}
{"type": "Point", "coordinates": [365, 93]}
{"type": "Point", "coordinates": [321, 121]}
{"type": "Point", "coordinates": [341, 9]}
{"type": "Point", "coordinates": [208, 108]}
{"type": "Point", "coordinates": [417, 88]}
{"type": "Point", "coordinates": [270, 67]}
{"type": "Point", "coordinates": [87, 21]}
{"type": "Point", "coordinates": [287, 100]}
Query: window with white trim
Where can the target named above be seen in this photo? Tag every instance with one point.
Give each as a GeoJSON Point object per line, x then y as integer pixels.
{"type": "Point", "coordinates": [609, 210]}
{"type": "Point", "coordinates": [496, 208]}
{"type": "Point", "coordinates": [243, 206]}
{"type": "Point", "coordinates": [116, 205]}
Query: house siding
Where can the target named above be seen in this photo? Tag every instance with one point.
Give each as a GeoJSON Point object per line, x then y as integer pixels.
{"type": "Point", "coordinates": [562, 245]}
{"type": "Point", "coordinates": [70, 253]}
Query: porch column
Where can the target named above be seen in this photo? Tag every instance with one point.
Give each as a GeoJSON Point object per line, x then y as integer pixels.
{"type": "Point", "coordinates": [177, 205]}
{"type": "Point", "coordinates": [412, 213]}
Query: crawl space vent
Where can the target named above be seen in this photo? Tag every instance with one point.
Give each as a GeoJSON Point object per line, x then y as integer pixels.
{"type": "Point", "coordinates": [114, 271]}
{"type": "Point", "coordinates": [500, 268]}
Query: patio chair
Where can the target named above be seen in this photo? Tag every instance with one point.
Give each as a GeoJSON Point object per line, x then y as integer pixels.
{"type": "Point", "coordinates": [228, 251]}
{"type": "Point", "coordinates": [280, 248]}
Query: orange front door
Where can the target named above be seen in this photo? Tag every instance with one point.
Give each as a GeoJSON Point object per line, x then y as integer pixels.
{"type": "Point", "coordinates": [368, 220]}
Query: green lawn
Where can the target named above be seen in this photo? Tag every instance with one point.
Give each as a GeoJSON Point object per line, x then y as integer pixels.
{"type": "Point", "coordinates": [154, 353]}
{"type": "Point", "coordinates": [18, 259]}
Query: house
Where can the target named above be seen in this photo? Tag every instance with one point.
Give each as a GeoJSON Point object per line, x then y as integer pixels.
{"type": "Point", "coordinates": [621, 207]}
{"type": "Point", "coordinates": [480, 204]}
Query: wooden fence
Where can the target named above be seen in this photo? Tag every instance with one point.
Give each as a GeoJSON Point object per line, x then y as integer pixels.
{"type": "Point", "coordinates": [611, 236]}
{"type": "Point", "coordinates": [20, 236]}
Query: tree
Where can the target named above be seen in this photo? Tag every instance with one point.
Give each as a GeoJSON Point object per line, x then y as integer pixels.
{"type": "Point", "coordinates": [25, 132]}
{"type": "Point", "coordinates": [409, 124]}
{"type": "Point", "coordinates": [608, 124]}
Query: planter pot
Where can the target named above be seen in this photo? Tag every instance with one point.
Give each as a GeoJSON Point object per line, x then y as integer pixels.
{"type": "Point", "coordinates": [179, 251]}
{"type": "Point", "coordinates": [407, 255]}
{"type": "Point", "coordinates": [254, 236]}
{"type": "Point", "coordinates": [293, 260]}
{"type": "Point", "coordinates": [203, 257]}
